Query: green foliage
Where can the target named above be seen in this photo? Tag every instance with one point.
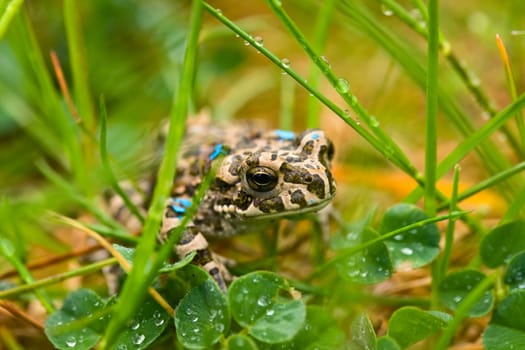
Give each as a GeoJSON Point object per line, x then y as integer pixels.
{"type": "Point", "coordinates": [507, 326]}
{"type": "Point", "coordinates": [418, 246]}
{"type": "Point", "coordinates": [82, 320]}
{"type": "Point", "coordinates": [202, 316]}
{"type": "Point", "coordinates": [81, 334]}
{"type": "Point", "coordinates": [502, 243]}
{"type": "Point", "coordinates": [259, 303]}
{"type": "Point", "coordinates": [370, 265]}
{"type": "Point", "coordinates": [363, 335]}
{"type": "Point", "coordinates": [410, 325]}
{"type": "Point", "coordinates": [515, 274]}
{"type": "Point", "coordinates": [60, 152]}
{"type": "Point", "coordinates": [457, 285]}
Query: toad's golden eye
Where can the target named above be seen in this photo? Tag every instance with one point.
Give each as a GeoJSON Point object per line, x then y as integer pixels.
{"type": "Point", "coordinates": [261, 179]}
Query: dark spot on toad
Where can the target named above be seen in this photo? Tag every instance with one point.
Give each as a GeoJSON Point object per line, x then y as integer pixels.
{"type": "Point", "coordinates": [297, 197]}
{"type": "Point", "coordinates": [308, 147]}
{"type": "Point", "coordinates": [272, 205]}
{"type": "Point", "coordinates": [243, 200]}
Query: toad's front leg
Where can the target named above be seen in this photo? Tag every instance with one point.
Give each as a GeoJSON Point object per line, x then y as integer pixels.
{"type": "Point", "coordinates": [196, 242]}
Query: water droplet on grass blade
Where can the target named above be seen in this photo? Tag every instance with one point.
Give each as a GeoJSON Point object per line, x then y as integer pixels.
{"type": "Point", "coordinates": [374, 122]}
{"type": "Point", "coordinates": [387, 11]}
{"type": "Point", "coordinates": [325, 60]}
{"type": "Point", "coordinates": [259, 41]}
{"type": "Point", "coordinates": [342, 86]}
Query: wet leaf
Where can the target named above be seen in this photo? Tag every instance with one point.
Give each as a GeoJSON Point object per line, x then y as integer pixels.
{"type": "Point", "coordinates": [147, 324]}
{"type": "Point", "coordinates": [240, 342]}
{"type": "Point", "coordinates": [319, 332]}
{"type": "Point", "coordinates": [363, 335]}
{"type": "Point", "coordinates": [502, 243]}
{"type": "Point", "coordinates": [515, 274]}
{"type": "Point", "coordinates": [73, 326]}
{"type": "Point", "coordinates": [202, 316]}
{"type": "Point", "coordinates": [387, 343]}
{"type": "Point", "coordinates": [259, 302]}
{"type": "Point", "coordinates": [409, 325]}
{"type": "Point", "coordinates": [369, 265]}
{"type": "Point", "coordinates": [507, 326]}
{"type": "Point", "coordinates": [420, 245]}
{"type": "Point", "coordinates": [456, 286]}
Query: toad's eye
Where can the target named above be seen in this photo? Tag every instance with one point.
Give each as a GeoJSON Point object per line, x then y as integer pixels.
{"type": "Point", "coordinates": [261, 179]}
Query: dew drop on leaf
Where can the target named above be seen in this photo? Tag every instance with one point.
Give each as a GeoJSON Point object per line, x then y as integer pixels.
{"type": "Point", "coordinates": [262, 301]}
{"type": "Point", "coordinates": [71, 341]}
{"type": "Point", "coordinates": [407, 251]}
{"type": "Point", "coordinates": [138, 338]}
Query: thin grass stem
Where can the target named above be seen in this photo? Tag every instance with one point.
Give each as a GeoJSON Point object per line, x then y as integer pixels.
{"type": "Point", "coordinates": [285, 66]}
{"type": "Point", "coordinates": [462, 311]}
{"type": "Point", "coordinates": [410, 60]}
{"type": "Point", "coordinates": [512, 89]}
{"type": "Point", "coordinates": [78, 65]}
{"type": "Point", "coordinates": [287, 103]}
{"type": "Point", "coordinates": [319, 41]}
{"type": "Point", "coordinates": [432, 108]}
{"type": "Point", "coordinates": [342, 87]}
{"type": "Point", "coordinates": [485, 184]}
{"type": "Point", "coordinates": [449, 233]}
{"type": "Point", "coordinates": [345, 253]}
{"type": "Point", "coordinates": [474, 140]}
{"type": "Point", "coordinates": [11, 9]}
{"type": "Point", "coordinates": [8, 251]}
{"type": "Point", "coordinates": [145, 265]}
{"type": "Point", "coordinates": [81, 271]}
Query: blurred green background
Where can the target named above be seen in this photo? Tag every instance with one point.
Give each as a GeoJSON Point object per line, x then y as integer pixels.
{"type": "Point", "coordinates": [133, 51]}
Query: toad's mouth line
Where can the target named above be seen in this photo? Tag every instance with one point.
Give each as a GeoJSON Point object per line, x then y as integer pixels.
{"type": "Point", "coordinates": [291, 212]}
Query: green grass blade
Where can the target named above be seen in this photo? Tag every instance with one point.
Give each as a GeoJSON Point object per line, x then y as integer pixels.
{"type": "Point", "coordinates": [432, 108]}
{"type": "Point", "coordinates": [410, 60]}
{"type": "Point", "coordinates": [490, 182]}
{"type": "Point", "coordinates": [449, 233]}
{"type": "Point", "coordinates": [145, 265]}
{"type": "Point", "coordinates": [287, 103]}
{"type": "Point", "coordinates": [78, 65]}
{"type": "Point", "coordinates": [7, 250]}
{"type": "Point", "coordinates": [388, 152]}
{"type": "Point", "coordinates": [56, 122]}
{"type": "Point", "coordinates": [341, 85]}
{"type": "Point", "coordinates": [512, 89]}
{"type": "Point", "coordinates": [470, 80]}
{"type": "Point", "coordinates": [462, 311]}
{"type": "Point", "coordinates": [9, 10]}
{"type": "Point", "coordinates": [473, 141]}
{"type": "Point", "coordinates": [319, 41]}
